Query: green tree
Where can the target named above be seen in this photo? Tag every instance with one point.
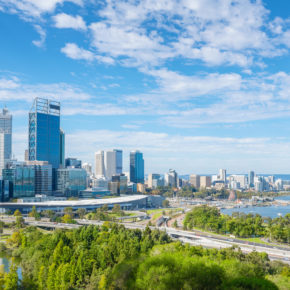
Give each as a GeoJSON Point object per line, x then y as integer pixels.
{"type": "Point", "coordinates": [17, 213]}
{"type": "Point", "coordinates": [11, 278]}
{"type": "Point", "coordinates": [69, 211]}
{"type": "Point", "coordinates": [165, 203]}
{"type": "Point", "coordinates": [19, 222]}
{"type": "Point", "coordinates": [81, 212]}
{"type": "Point", "coordinates": [67, 219]}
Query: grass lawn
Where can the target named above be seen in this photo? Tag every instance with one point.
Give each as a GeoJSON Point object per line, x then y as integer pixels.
{"type": "Point", "coordinates": [256, 240]}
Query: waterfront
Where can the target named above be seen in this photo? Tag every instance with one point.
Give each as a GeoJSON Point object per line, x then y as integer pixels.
{"type": "Point", "coordinates": [272, 211]}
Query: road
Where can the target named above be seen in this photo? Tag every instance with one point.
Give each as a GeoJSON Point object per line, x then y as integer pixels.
{"type": "Point", "coordinates": [193, 238]}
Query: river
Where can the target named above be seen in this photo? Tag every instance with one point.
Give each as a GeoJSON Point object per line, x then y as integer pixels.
{"type": "Point", "coordinates": [272, 211]}
{"type": "Point", "coordinates": [6, 261]}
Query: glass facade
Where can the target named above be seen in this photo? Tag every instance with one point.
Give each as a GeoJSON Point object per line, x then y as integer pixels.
{"type": "Point", "coordinates": [71, 181]}
{"type": "Point", "coordinates": [119, 161]}
{"type": "Point", "coordinates": [62, 148]}
{"type": "Point", "coordinates": [136, 167]}
{"type": "Point", "coordinates": [44, 132]}
{"type": "Point", "coordinates": [23, 180]}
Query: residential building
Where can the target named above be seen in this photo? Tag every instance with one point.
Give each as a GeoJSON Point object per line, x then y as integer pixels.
{"type": "Point", "coordinates": [5, 138]}
{"type": "Point", "coordinates": [70, 181]}
{"type": "Point", "coordinates": [136, 167]}
{"type": "Point", "coordinates": [205, 181]}
{"type": "Point", "coordinates": [194, 180]}
{"type": "Point", "coordinates": [100, 164]}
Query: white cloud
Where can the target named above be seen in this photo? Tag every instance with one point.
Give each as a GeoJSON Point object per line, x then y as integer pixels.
{"type": "Point", "coordinates": [199, 154]}
{"type": "Point", "coordinates": [63, 20]}
{"type": "Point", "coordinates": [42, 35]}
{"type": "Point", "coordinates": [72, 50]}
{"type": "Point", "coordinates": [9, 83]}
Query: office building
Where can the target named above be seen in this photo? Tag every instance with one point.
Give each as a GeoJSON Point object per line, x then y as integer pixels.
{"type": "Point", "coordinates": [251, 177]}
{"type": "Point", "coordinates": [136, 167]}
{"type": "Point", "coordinates": [88, 168]}
{"type": "Point", "coordinates": [205, 181]}
{"type": "Point", "coordinates": [122, 181]}
{"type": "Point", "coordinates": [42, 176]}
{"type": "Point", "coordinates": [22, 180]}
{"type": "Point", "coordinates": [223, 175]}
{"type": "Point", "coordinates": [73, 162]}
{"type": "Point", "coordinates": [100, 164]}
{"type": "Point", "coordinates": [70, 181]}
{"type": "Point", "coordinates": [26, 155]}
{"type": "Point", "coordinates": [194, 180]}
{"type": "Point", "coordinates": [171, 178]}
{"type": "Point", "coordinates": [5, 138]}
{"type": "Point", "coordinates": [119, 161]}
{"type": "Point", "coordinates": [44, 132]}
{"type": "Point", "coordinates": [241, 181]}
{"type": "Point", "coordinates": [153, 179]}
{"type": "Point", "coordinates": [62, 149]}
{"type": "Point", "coordinates": [110, 158]}
{"type": "Point", "coordinates": [100, 182]}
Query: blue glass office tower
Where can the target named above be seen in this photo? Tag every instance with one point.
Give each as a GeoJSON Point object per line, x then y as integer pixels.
{"type": "Point", "coordinates": [136, 167]}
{"type": "Point", "coordinates": [44, 132]}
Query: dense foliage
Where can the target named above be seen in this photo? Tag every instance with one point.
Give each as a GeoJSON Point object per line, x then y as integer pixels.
{"type": "Point", "coordinates": [239, 224]}
{"type": "Point", "coordinates": [112, 257]}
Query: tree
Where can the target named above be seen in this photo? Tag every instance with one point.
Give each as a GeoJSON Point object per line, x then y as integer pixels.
{"type": "Point", "coordinates": [34, 213]}
{"type": "Point", "coordinates": [69, 211]}
{"type": "Point", "coordinates": [81, 212]}
{"type": "Point", "coordinates": [175, 224]}
{"type": "Point", "coordinates": [165, 203]}
{"type": "Point", "coordinates": [19, 222]}
{"type": "Point", "coordinates": [116, 209]}
{"type": "Point", "coordinates": [11, 278]}
{"type": "Point", "coordinates": [17, 213]}
{"type": "Point", "coordinates": [67, 219]}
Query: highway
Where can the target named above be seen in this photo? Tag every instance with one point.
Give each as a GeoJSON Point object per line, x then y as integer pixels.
{"type": "Point", "coordinates": [193, 238]}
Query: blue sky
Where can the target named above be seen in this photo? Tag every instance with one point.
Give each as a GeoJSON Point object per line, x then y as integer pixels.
{"type": "Point", "coordinates": [196, 85]}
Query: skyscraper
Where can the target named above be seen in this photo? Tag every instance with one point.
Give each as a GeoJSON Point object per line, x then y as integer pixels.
{"type": "Point", "coordinates": [100, 163]}
{"type": "Point", "coordinates": [44, 132]}
{"type": "Point", "coordinates": [223, 175]}
{"type": "Point", "coordinates": [5, 138]}
{"type": "Point", "coordinates": [251, 177]}
{"type": "Point", "coordinates": [62, 148]}
{"type": "Point", "coordinates": [194, 180]}
{"type": "Point", "coordinates": [119, 161]}
{"type": "Point", "coordinates": [110, 163]}
{"type": "Point", "coordinates": [136, 167]}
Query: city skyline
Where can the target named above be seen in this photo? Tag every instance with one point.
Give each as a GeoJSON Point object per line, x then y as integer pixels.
{"type": "Point", "coordinates": [183, 93]}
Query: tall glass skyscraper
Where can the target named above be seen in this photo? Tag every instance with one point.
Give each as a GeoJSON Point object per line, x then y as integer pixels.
{"type": "Point", "coordinates": [119, 161]}
{"type": "Point", "coordinates": [5, 138]}
{"type": "Point", "coordinates": [136, 167]}
{"type": "Point", "coordinates": [44, 132]}
{"type": "Point", "coordinates": [62, 148]}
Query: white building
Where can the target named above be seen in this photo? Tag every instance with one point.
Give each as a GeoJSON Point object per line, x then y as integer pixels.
{"type": "Point", "coordinates": [5, 138]}
{"type": "Point", "coordinates": [171, 178]}
{"type": "Point", "coordinates": [88, 168]}
{"type": "Point", "coordinates": [239, 179]}
{"type": "Point", "coordinates": [223, 175]}
{"type": "Point", "coordinates": [100, 163]}
{"type": "Point", "coordinates": [110, 163]}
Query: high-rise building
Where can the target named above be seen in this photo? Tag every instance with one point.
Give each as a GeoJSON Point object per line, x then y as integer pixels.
{"type": "Point", "coordinates": [73, 162]}
{"type": "Point", "coordinates": [194, 180]}
{"type": "Point", "coordinates": [223, 175]}
{"type": "Point", "coordinates": [110, 163]}
{"type": "Point", "coordinates": [44, 132]}
{"type": "Point", "coordinates": [62, 149]}
{"type": "Point", "coordinates": [136, 167]}
{"type": "Point", "coordinates": [119, 161]}
{"type": "Point", "coordinates": [205, 181]}
{"type": "Point", "coordinates": [26, 155]}
{"type": "Point", "coordinates": [251, 177]}
{"type": "Point", "coordinates": [171, 178]}
{"type": "Point", "coordinates": [5, 138]}
{"type": "Point", "coordinates": [100, 163]}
